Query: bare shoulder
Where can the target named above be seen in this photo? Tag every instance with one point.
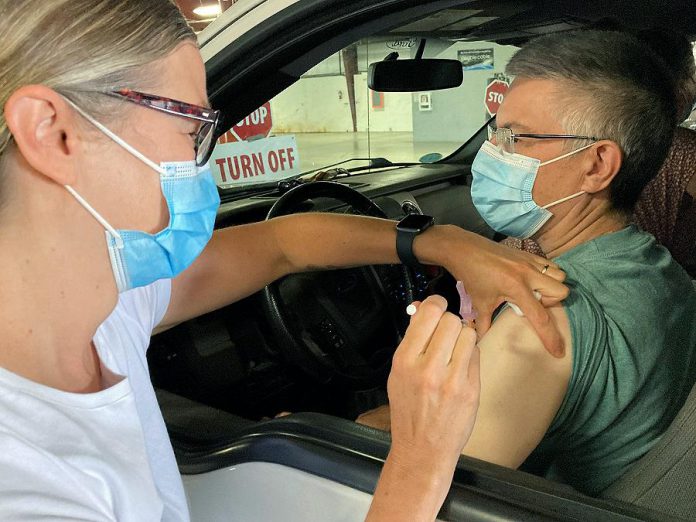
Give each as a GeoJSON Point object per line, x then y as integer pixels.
{"type": "Point", "coordinates": [514, 335]}
{"type": "Point", "coordinates": [522, 388]}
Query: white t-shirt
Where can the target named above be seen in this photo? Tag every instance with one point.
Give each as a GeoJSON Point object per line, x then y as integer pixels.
{"type": "Point", "coordinates": [93, 457]}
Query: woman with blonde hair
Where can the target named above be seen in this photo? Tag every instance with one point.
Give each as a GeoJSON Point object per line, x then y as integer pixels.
{"type": "Point", "coordinates": [106, 206]}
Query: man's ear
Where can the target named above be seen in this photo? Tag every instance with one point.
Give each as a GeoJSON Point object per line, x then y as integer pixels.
{"type": "Point", "coordinates": [602, 164]}
{"type": "Point", "coordinates": [44, 129]}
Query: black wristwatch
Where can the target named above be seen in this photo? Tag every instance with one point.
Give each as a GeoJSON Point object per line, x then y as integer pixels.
{"type": "Point", "coordinates": [406, 231]}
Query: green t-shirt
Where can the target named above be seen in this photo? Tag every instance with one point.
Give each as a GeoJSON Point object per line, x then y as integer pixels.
{"type": "Point", "coordinates": [632, 312]}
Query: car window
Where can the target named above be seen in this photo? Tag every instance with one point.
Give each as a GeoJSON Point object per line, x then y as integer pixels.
{"type": "Point", "coordinates": [330, 115]}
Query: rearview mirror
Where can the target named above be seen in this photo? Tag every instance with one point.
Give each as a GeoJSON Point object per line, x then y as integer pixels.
{"type": "Point", "coordinates": [414, 75]}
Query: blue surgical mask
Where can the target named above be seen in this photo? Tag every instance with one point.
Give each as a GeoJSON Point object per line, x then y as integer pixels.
{"type": "Point", "coordinates": [138, 258]}
{"type": "Point", "coordinates": [502, 191]}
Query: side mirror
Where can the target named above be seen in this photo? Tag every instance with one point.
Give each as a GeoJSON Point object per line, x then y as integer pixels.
{"type": "Point", "coordinates": [414, 75]}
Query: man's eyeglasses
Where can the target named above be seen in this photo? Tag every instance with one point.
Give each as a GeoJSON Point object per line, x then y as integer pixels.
{"type": "Point", "coordinates": [505, 139]}
{"type": "Point", "coordinates": [204, 142]}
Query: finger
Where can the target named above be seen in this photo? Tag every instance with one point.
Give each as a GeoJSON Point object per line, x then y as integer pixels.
{"type": "Point", "coordinates": [541, 261]}
{"type": "Point", "coordinates": [547, 287]}
{"type": "Point", "coordinates": [463, 349]}
{"type": "Point", "coordinates": [466, 360]}
{"type": "Point", "coordinates": [484, 318]}
{"type": "Point", "coordinates": [475, 369]}
{"type": "Point", "coordinates": [546, 267]}
{"type": "Point", "coordinates": [555, 273]}
{"type": "Point", "coordinates": [541, 322]}
{"type": "Point", "coordinates": [423, 325]}
{"type": "Point", "coordinates": [549, 301]}
{"type": "Point", "coordinates": [441, 345]}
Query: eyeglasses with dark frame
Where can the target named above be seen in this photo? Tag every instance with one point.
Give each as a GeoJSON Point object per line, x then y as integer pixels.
{"type": "Point", "coordinates": [204, 143]}
{"type": "Point", "coordinates": [505, 138]}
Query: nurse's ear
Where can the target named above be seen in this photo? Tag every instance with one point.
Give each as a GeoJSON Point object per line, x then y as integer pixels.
{"type": "Point", "coordinates": [45, 130]}
{"type": "Point", "coordinates": [600, 166]}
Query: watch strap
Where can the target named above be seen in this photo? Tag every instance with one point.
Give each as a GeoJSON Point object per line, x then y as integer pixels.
{"type": "Point", "coordinates": [404, 247]}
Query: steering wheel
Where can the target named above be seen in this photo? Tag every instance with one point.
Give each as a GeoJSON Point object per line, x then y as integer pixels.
{"type": "Point", "coordinates": [346, 323]}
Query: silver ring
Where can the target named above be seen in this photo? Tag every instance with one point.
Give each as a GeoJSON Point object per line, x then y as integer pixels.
{"type": "Point", "coordinates": [545, 269]}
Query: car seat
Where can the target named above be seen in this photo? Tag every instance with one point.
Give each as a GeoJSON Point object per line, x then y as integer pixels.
{"type": "Point", "coordinates": [664, 479]}
{"type": "Point", "coordinates": [667, 206]}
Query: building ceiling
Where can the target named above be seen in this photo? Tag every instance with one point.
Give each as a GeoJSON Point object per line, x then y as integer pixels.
{"type": "Point", "coordinates": [198, 23]}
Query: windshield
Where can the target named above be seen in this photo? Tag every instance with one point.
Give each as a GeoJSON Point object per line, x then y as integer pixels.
{"type": "Point", "coordinates": [330, 116]}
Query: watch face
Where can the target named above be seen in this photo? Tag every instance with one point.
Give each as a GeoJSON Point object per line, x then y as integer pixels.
{"type": "Point", "coordinates": [415, 223]}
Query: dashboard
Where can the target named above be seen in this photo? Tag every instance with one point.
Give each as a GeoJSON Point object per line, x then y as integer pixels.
{"type": "Point", "coordinates": [232, 360]}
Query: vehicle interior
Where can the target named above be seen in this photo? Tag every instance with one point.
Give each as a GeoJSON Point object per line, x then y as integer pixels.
{"type": "Point", "coordinates": [319, 344]}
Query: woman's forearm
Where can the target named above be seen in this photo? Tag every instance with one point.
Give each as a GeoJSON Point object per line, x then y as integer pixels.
{"type": "Point", "coordinates": [320, 241]}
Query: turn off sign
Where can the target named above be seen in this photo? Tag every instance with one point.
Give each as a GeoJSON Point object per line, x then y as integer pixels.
{"type": "Point", "coordinates": [258, 161]}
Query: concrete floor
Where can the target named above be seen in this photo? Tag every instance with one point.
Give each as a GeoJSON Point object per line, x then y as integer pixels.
{"type": "Point", "coordinates": [321, 149]}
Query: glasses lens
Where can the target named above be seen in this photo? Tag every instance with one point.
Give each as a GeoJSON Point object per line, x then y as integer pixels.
{"type": "Point", "coordinates": [205, 143]}
{"type": "Point", "coordinates": [505, 140]}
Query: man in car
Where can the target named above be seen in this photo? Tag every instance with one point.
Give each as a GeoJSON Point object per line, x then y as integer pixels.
{"type": "Point", "coordinates": [584, 127]}
{"type": "Point", "coordinates": [666, 208]}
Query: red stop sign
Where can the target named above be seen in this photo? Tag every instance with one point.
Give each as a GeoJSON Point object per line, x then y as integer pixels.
{"type": "Point", "coordinates": [495, 92]}
{"type": "Point", "coordinates": [257, 125]}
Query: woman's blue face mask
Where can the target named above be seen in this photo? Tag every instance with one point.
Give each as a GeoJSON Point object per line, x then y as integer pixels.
{"type": "Point", "coordinates": [502, 191]}
{"type": "Point", "coordinates": [138, 258]}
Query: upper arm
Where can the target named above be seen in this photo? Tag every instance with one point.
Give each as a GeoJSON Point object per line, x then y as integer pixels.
{"type": "Point", "coordinates": [522, 388]}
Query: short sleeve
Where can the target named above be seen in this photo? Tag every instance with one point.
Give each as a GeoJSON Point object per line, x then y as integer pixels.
{"type": "Point", "coordinates": [160, 295]}
{"type": "Point", "coordinates": [588, 331]}
{"type": "Point", "coordinates": [148, 303]}
{"type": "Point", "coordinates": [573, 420]}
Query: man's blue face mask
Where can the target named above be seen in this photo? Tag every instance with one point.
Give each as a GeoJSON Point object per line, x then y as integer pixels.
{"type": "Point", "coordinates": [138, 258]}
{"type": "Point", "coordinates": [502, 191]}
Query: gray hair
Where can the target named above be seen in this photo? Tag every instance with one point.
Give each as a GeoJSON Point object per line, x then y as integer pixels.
{"type": "Point", "coordinates": [613, 87]}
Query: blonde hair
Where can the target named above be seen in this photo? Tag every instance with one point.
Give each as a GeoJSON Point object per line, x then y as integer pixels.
{"type": "Point", "coordinates": [83, 47]}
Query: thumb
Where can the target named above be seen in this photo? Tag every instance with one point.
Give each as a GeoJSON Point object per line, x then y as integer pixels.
{"type": "Point", "coordinates": [546, 329]}
{"type": "Point", "coordinates": [483, 322]}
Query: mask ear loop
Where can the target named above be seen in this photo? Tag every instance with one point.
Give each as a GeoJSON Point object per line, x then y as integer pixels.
{"type": "Point", "coordinates": [129, 148]}
{"type": "Point", "coordinates": [118, 140]}
{"type": "Point", "coordinates": [103, 222]}
{"type": "Point", "coordinates": [567, 198]}
{"type": "Point", "coordinates": [559, 158]}
{"type": "Point", "coordinates": [572, 196]}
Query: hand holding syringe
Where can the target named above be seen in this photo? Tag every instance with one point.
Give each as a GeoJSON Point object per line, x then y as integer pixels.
{"type": "Point", "coordinates": [466, 309]}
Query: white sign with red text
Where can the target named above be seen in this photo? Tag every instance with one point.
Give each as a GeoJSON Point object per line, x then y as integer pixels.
{"type": "Point", "coordinates": [260, 161]}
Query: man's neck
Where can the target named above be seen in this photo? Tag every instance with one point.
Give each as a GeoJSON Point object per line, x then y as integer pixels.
{"type": "Point", "coordinates": [582, 224]}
